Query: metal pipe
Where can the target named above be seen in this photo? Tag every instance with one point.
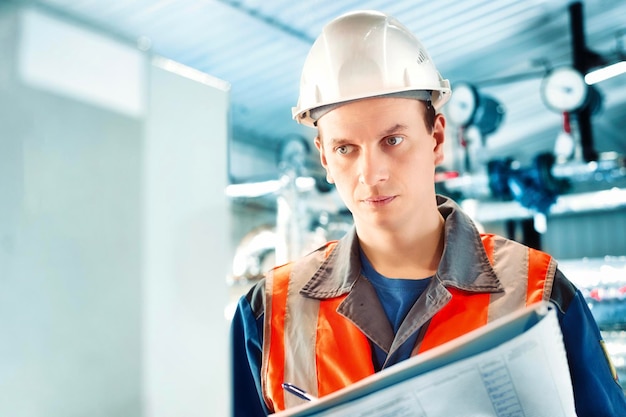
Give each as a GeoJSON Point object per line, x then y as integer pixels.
{"type": "Point", "coordinates": [580, 55]}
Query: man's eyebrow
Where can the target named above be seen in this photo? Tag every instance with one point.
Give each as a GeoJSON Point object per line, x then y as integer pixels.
{"type": "Point", "coordinates": [337, 141]}
{"type": "Point", "coordinates": [396, 128]}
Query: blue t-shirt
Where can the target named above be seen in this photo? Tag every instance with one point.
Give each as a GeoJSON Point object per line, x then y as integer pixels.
{"type": "Point", "coordinates": [397, 296]}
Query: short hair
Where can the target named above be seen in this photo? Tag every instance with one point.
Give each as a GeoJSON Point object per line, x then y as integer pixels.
{"type": "Point", "coordinates": [429, 116]}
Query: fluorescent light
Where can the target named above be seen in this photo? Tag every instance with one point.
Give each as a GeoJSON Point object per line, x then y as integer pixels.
{"type": "Point", "coordinates": [191, 73]}
{"type": "Point", "coordinates": [605, 73]}
{"type": "Point", "coordinates": [305, 183]}
{"type": "Point", "coordinates": [254, 189]}
{"type": "Point", "coordinates": [258, 189]}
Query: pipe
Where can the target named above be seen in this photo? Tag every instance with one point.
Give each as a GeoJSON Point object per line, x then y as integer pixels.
{"type": "Point", "coordinates": [581, 63]}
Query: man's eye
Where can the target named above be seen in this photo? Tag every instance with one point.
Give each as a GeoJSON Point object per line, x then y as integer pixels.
{"type": "Point", "coordinates": [342, 150]}
{"type": "Point", "coordinates": [394, 140]}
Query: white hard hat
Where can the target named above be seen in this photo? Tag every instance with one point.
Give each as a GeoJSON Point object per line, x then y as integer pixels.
{"type": "Point", "coordinates": [366, 54]}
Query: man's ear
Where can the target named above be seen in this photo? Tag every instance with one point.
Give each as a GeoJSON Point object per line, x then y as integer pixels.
{"type": "Point", "coordinates": [320, 147]}
{"type": "Point", "coordinates": [439, 135]}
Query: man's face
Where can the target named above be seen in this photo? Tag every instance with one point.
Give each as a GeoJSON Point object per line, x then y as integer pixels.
{"type": "Point", "coordinates": [382, 157]}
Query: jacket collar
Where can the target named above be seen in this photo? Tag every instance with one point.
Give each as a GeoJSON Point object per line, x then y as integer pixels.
{"type": "Point", "coordinates": [464, 263]}
{"type": "Point", "coordinates": [338, 272]}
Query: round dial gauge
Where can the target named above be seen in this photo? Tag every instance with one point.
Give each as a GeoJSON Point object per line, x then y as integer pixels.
{"type": "Point", "coordinates": [564, 90]}
{"type": "Point", "coordinates": [462, 106]}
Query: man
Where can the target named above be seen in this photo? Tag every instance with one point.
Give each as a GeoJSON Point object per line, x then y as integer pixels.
{"type": "Point", "coordinates": [414, 272]}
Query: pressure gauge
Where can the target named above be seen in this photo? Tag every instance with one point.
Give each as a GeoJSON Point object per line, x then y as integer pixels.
{"type": "Point", "coordinates": [468, 107]}
{"type": "Point", "coordinates": [462, 106]}
{"type": "Point", "coordinates": [564, 90]}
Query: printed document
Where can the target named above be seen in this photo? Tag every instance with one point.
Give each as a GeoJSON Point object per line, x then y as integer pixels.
{"type": "Point", "coordinates": [513, 367]}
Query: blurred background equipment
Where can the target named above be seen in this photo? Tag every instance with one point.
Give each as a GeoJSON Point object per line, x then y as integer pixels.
{"type": "Point", "coordinates": [299, 226]}
{"type": "Point", "coordinates": [603, 284]}
{"type": "Point", "coordinates": [475, 115]}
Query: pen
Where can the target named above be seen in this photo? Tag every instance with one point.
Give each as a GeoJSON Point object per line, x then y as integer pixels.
{"type": "Point", "coordinates": [298, 392]}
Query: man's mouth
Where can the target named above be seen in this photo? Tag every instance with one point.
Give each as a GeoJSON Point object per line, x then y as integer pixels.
{"type": "Point", "coordinates": [379, 200]}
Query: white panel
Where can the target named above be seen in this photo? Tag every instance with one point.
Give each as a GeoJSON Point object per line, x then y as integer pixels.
{"type": "Point", "coordinates": [186, 249]}
{"type": "Point", "coordinates": [65, 59]}
{"type": "Point", "coordinates": [70, 255]}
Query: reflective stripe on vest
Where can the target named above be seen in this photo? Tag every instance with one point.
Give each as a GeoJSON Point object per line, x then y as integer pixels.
{"type": "Point", "coordinates": [308, 344]}
{"type": "Point", "coordinates": [525, 282]}
{"type": "Point", "coordinates": [297, 350]}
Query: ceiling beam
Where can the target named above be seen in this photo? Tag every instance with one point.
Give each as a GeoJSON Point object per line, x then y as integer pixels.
{"type": "Point", "coordinates": [270, 21]}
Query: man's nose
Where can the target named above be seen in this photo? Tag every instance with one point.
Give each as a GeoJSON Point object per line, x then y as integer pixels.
{"type": "Point", "coordinates": [373, 168]}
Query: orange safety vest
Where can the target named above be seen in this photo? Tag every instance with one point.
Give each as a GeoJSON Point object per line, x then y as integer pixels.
{"type": "Point", "coordinates": [307, 343]}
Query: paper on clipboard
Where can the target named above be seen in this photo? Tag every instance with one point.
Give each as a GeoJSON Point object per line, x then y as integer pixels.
{"type": "Point", "coordinates": [515, 366]}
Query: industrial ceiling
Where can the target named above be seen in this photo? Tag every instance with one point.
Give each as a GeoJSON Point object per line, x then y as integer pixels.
{"type": "Point", "coordinates": [503, 47]}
